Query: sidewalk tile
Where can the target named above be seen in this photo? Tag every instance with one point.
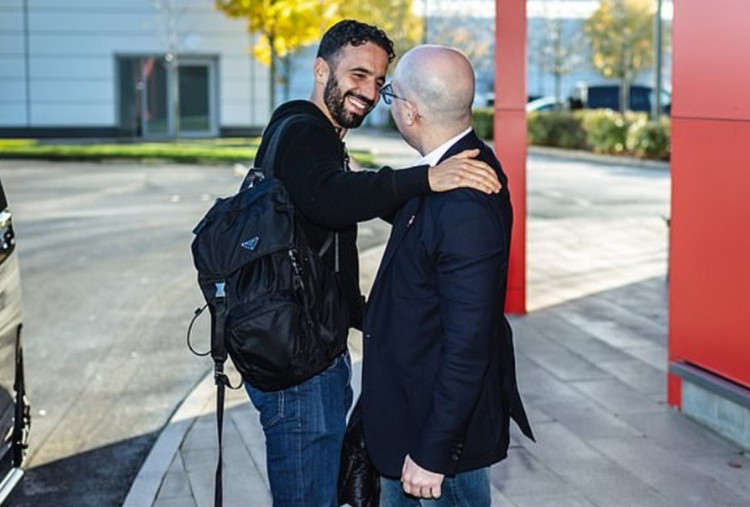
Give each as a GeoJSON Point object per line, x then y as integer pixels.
{"type": "Point", "coordinates": [678, 434]}
{"type": "Point", "coordinates": [731, 469]}
{"type": "Point", "coordinates": [552, 501]}
{"type": "Point", "coordinates": [245, 420]}
{"type": "Point", "coordinates": [592, 474]}
{"type": "Point", "coordinates": [590, 421]}
{"type": "Point", "coordinates": [567, 366]}
{"type": "Point", "coordinates": [640, 376]}
{"type": "Point", "coordinates": [522, 474]}
{"type": "Point", "coordinates": [175, 483]}
{"type": "Point", "coordinates": [574, 338]}
{"type": "Point", "coordinates": [657, 467]}
{"type": "Point", "coordinates": [617, 397]}
{"type": "Point", "coordinates": [602, 328]}
{"type": "Point", "coordinates": [176, 502]}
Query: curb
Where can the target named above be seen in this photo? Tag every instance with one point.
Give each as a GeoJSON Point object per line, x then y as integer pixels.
{"type": "Point", "coordinates": [146, 485]}
{"type": "Point", "coordinates": [586, 156]}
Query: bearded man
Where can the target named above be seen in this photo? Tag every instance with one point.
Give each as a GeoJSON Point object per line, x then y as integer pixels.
{"type": "Point", "coordinates": [304, 424]}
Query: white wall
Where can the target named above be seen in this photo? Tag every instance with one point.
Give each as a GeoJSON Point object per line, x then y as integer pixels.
{"type": "Point", "coordinates": [72, 65]}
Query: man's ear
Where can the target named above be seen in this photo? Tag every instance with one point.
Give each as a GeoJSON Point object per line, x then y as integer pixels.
{"type": "Point", "coordinates": [321, 71]}
{"type": "Point", "coordinates": [411, 113]}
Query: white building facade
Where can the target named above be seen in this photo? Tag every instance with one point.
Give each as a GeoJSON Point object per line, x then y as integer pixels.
{"type": "Point", "coordinates": [106, 68]}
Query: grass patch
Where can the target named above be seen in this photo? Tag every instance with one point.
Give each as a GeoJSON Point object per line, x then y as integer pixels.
{"type": "Point", "coordinates": [198, 151]}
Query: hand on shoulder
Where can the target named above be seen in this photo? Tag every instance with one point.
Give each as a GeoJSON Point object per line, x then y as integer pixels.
{"type": "Point", "coordinates": [463, 170]}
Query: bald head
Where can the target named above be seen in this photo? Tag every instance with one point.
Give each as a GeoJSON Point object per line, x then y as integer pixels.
{"type": "Point", "coordinates": [440, 81]}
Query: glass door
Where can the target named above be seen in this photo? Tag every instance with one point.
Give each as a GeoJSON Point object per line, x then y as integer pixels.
{"type": "Point", "coordinates": [196, 98]}
{"type": "Point", "coordinates": [146, 104]}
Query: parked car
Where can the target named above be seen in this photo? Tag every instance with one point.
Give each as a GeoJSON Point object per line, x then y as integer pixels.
{"type": "Point", "coordinates": [545, 104]}
{"type": "Point", "coordinates": [14, 407]}
{"type": "Point", "coordinates": [607, 96]}
{"type": "Point", "coordinates": [483, 100]}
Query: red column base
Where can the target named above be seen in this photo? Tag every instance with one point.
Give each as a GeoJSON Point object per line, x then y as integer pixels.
{"type": "Point", "coordinates": [674, 391]}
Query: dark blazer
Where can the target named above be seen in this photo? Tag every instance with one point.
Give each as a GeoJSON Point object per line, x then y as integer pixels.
{"type": "Point", "coordinates": [439, 377]}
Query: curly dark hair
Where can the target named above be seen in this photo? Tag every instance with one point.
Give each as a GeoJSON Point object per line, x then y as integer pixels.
{"type": "Point", "coordinates": [356, 33]}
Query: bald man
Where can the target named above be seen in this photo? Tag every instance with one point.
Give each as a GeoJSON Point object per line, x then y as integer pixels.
{"type": "Point", "coordinates": [439, 385]}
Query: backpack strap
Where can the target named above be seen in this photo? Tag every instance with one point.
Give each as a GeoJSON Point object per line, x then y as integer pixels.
{"type": "Point", "coordinates": [269, 157]}
{"type": "Point", "coordinates": [219, 355]}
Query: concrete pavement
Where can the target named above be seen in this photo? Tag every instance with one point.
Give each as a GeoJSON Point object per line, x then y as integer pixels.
{"type": "Point", "coordinates": [591, 360]}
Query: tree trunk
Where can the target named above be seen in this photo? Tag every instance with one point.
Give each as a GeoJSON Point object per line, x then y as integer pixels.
{"type": "Point", "coordinates": [626, 78]}
{"type": "Point", "coordinates": [624, 63]}
{"type": "Point", "coordinates": [624, 95]}
{"type": "Point", "coordinates": [558, 58]}
{"type": "Point", "coordinates": [272, 72]}
{"type": "Point", "coordinates": [286, 61]}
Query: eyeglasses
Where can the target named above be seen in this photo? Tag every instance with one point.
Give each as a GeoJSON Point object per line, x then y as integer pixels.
{"type": "Point", "coordinates": [387, 93]}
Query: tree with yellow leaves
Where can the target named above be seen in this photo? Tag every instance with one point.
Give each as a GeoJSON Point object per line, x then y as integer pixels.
{"type": "Point", "coordinates": [621, 34]}
{"type": "Point", "coordinates": [285, 26]}
{"type": "Point", "coordinates": [395, 17]}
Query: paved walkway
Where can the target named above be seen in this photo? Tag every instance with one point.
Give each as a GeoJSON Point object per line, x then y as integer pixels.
{"type": "Point", "coordinates": [591, 361]}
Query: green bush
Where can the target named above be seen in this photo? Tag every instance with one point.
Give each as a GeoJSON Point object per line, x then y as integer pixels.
{"type": "Point", "coordinates": [556, 128]}
{"type": "Point", "coordinates": [650, 139]}
{"type": "Point", "coordinates": [607, 130]}
{"type": "Point", "coordinates": [600, 130]}
{"type": "Point", "coordinates": [483, 121]}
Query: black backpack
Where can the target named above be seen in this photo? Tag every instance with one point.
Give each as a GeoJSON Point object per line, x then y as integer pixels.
{"type": "Point", "coordinates": [274, 306]}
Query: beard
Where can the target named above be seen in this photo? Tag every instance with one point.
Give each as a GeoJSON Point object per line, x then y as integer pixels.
{"type": "Point", "coordinates": [334, 100]}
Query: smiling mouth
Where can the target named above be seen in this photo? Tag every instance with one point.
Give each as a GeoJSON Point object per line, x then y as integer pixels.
{"type": "Point", "coordinates": [362, 105]}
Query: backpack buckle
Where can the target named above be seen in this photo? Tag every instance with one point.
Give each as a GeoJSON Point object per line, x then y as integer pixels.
{"type": "Point", "coordinates": [220, 290]}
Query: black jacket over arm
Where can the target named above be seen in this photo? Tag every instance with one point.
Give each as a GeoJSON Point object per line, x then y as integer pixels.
{"type": "Point", "coordinates": [311, 161]}
{"type": "Point", "coordinates": [439, 378]}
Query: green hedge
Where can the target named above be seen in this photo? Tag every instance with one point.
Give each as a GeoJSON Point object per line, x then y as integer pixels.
{"type": "Point", "coordinates": [598, 130]}
{"type": "Point", "coordinates": [556, 128]}
{"type": "Point", "coordinates": [650, 139]}
{"type": "Point", "coordinates": [483, 122]}
{"type": "Point", "coordinates": [607, 131]}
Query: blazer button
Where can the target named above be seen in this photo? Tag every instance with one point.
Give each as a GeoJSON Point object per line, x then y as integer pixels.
{"type": "Point", "coordinates": [368, 335]}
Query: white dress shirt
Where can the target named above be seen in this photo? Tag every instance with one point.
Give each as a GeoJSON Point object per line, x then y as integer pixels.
{"type": "Point", "coordinates": [433, 157]}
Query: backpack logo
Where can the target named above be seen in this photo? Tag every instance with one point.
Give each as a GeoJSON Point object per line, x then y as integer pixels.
{"type": "Point", "coordinates": [250, 244]}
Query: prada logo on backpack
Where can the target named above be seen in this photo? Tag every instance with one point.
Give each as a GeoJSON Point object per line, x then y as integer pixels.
{"type": "Point", "coordinates": [251, 243]}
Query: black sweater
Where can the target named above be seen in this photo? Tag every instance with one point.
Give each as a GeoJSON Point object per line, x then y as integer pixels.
{"type": "Point", "coordinates": [311, 162]}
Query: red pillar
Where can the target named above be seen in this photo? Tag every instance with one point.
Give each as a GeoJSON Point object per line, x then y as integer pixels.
{"type": "Point", "coordinates": [709, 273]}
{"type": "Point", "coordinates": [510, 133]}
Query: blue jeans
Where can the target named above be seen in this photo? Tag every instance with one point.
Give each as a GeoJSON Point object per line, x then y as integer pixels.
{"type": "Point", "coordinates": [304, 427]}
{"type": "Point", "coordinates": [468, 489]}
